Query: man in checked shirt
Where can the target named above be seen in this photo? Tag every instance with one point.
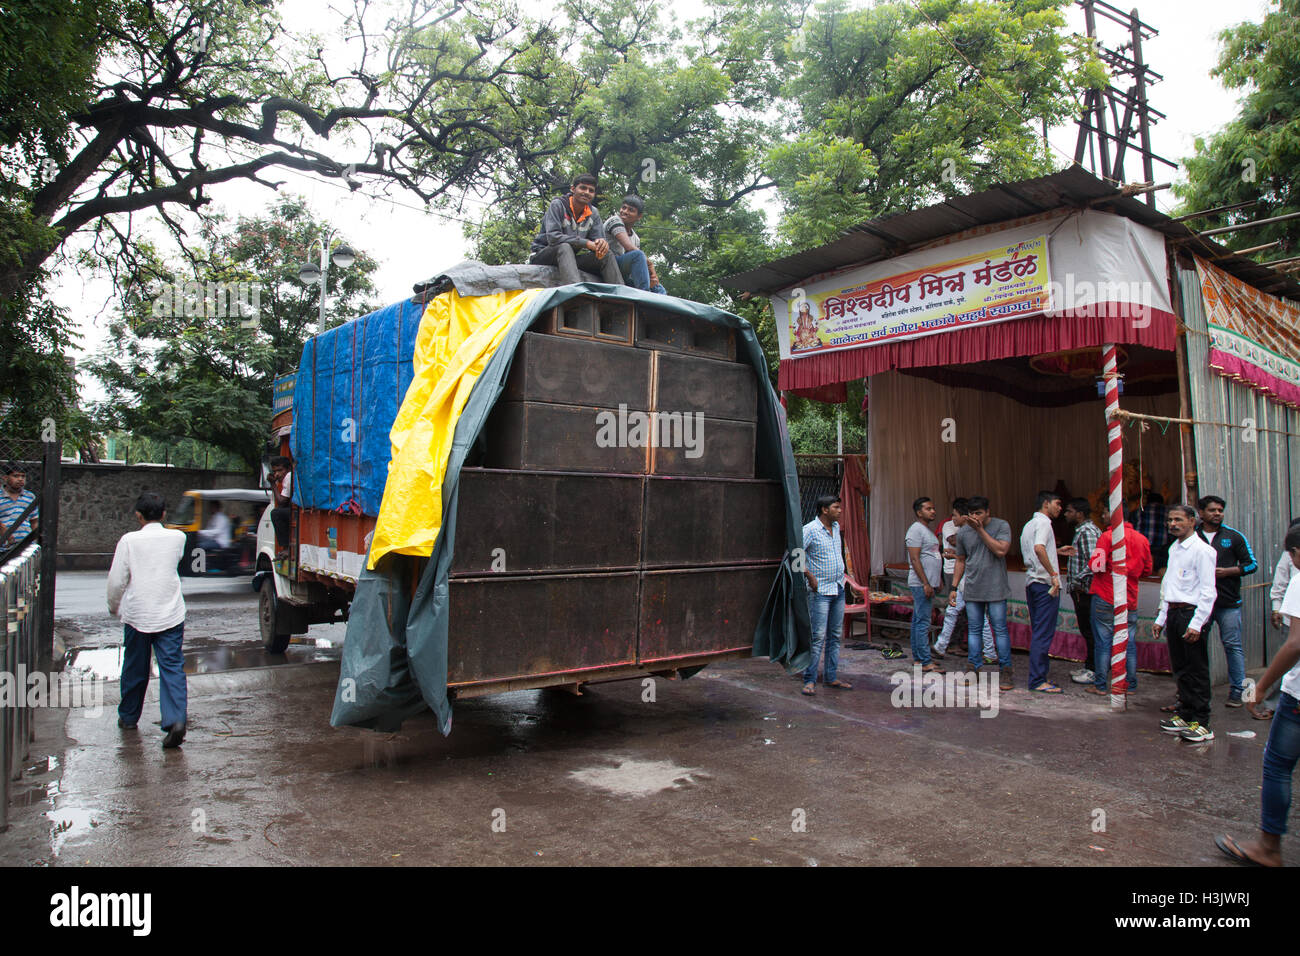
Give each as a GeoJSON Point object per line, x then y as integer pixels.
{"type": "Point", "coordinates": [824, 553]}
{"type": "Point", "coordinates": [1079, 578]}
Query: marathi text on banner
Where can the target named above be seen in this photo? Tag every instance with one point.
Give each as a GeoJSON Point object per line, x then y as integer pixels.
{"type": "Point", "coordinates": [1004, 282]}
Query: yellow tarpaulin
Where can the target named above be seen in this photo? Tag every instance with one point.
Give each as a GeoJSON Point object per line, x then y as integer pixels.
{"type": "Point", "coordinates": [457, 338]}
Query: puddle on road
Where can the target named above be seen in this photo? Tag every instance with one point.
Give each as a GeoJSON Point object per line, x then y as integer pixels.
{"type": "Point", "coordinates": [639, 778]}
{"type": "Point", "coordinates": [105, 662]}
{"type": "Point", "coordinates": [68, 823]}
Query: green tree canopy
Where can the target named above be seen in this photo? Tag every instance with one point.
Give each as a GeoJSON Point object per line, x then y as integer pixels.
{"type": "Point", "coordinates": [1256, 157]}
{"type": "Point", "coordinates": [903, 104]}
{"type": "Point", "coordinates": [196, 349]}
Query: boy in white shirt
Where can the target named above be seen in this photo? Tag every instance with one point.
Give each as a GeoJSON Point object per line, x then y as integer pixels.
{"type": "Point", "coordinates": [144, 591]}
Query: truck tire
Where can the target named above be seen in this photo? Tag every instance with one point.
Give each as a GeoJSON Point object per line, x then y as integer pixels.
{"type": "Point", "coordinates": [268, 619]}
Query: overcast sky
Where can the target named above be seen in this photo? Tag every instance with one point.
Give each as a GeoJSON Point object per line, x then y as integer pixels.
{"type": "Point", "coordinates": [410, 244]}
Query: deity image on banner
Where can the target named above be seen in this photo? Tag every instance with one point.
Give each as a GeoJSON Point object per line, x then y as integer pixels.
{"type": "Point", "coordinates": [805, 329]}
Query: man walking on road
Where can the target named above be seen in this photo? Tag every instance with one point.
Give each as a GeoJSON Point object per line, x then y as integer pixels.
{"type": "Point", "coordinates": [144, 591]}
{"type": "Point", "coordinates": [1234, 560]}
{"type": "Point", "coordinates": [1042, 587]}
{"type": "Point", "coordinates": [1187, 595]}
{"type": "Point", "coordinates": [824, 551]}
{"type": "Point", "coordinates": [982, 546]}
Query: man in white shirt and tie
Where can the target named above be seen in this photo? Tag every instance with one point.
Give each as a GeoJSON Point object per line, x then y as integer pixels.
{"type": "Point", "coordinates": [1187, 595]}
{"type": "Point", "coordinates": [144, 591]}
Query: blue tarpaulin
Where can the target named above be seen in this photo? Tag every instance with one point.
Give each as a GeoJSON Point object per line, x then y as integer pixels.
{"type": "Point", "coordinates": [350, 384]}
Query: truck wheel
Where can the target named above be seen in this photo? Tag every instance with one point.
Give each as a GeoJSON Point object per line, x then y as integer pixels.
{"type": "Point", "coordinates": [267, 615]}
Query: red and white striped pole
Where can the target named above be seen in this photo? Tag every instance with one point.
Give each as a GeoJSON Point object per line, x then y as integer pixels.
{"type": "Point", "coordinates": [1119, 580]}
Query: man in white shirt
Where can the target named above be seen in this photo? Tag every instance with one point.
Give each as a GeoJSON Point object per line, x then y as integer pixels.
{"type": "Point", "coordinates": [1187, 595]}
{"type": "Point", "coordinates": [144, 591]}
{"type": "Point", "coordinates": [1042, 588]}
{"type": "Point", "coordinates": [1282, 575]}
{"type": "Point", "coordinates": [217, 533]}
{"type": "Point", "coordinates": [1282, 751]}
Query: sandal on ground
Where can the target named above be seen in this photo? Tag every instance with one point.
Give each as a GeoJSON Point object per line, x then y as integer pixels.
{"type": "Point", "coordinates": [809, 689]}
{"type": "Point", "coordinates": [1230, 849]}
{"type": "Point", "coordinates": [932, 668]}
{"type": "Point", "coordinates": [841, 684]}
{"type": "Point", "coordinates": [1262, 713]}
{"type": "Point", "coordinates": [1171, 709]}
{"type": "Point", "coordinates": [1092, 689]}
{"type": "Point", "coordinates": [1047, 687]}
{"type": "Point", "coordinates": [892, 653]}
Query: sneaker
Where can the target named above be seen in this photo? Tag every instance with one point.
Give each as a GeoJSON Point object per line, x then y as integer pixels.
{"type": "Point", "coordinates": [1083, 676]}
{"type": "Point", "coordinates": [1196, 734]}
{"type": "Point", "coordinates": [1174, 725]}
{"type": "Point", "coordinates": [1234, 700]}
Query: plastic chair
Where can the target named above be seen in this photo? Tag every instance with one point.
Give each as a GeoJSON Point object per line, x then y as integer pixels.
{"type": "Point", "coordinates": [851, 609]}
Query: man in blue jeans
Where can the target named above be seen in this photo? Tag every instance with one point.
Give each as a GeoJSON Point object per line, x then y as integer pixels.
{"type": "Point", "coordinates": [982, 546]}
{"type": "Point", "coordinates": [1137, 564]}
{"type": "Point", "coordinates": [823, 549]}
{"type": "Point", "coordinates": [925, 573]}
{"type": "Point", "coordinates": [144, 591]}
{"type": "Point", "coordinates": [634, 263]}
{"type": "Point", "coordinates": [1282, 751]}
{"type": "Point", "coordinates": [1042, 588]}
{"type": "Point", "coordinates": [1235, 560]}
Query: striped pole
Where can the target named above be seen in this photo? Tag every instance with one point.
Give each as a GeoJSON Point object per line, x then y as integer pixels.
{"type": "Point", "coordinates": [1119, 582]}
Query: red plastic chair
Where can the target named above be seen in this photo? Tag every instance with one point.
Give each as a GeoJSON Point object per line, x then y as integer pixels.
{"type": "Point", "coordinates": [851, 609]}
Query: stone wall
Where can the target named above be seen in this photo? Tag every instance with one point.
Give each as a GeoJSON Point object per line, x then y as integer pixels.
{"type": "Point", "coordinates": [97, 504]}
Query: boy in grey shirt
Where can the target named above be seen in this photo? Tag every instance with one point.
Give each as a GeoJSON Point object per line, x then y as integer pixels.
{"type": "Point", "coordinates": [982, 546]}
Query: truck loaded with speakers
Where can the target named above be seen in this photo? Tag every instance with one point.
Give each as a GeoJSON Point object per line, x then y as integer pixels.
{"type": "Point", "coordinates": [503, 484]}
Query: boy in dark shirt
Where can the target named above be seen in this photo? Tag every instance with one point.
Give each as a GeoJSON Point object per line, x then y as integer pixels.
{"type": "Point", "coordinates": [572, 236]}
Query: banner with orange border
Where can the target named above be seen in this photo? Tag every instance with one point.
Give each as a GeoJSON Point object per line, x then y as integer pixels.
{"type": "Point", "coordinates": [997, 283]}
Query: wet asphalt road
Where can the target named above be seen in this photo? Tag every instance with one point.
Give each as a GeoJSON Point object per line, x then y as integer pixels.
{"type": "Point", "coordinates": [731, 767]}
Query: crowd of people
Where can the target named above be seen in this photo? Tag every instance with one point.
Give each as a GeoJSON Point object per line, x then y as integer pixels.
{"type": "Point", "coordinates": [1204, 561]}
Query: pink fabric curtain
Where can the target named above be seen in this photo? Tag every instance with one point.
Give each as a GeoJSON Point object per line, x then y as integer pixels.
{"type": "Point", "coordinates": [854, 488]}
{"type": "Point", "coordinates": [1033, 336]}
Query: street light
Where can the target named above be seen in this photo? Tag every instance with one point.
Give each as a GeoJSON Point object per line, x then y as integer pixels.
{"type": "Point", "coordinates": [309, 273]}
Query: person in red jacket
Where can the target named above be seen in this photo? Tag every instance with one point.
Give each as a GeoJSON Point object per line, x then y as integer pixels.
{"type": "Point", "coordinates": [1137, 562]}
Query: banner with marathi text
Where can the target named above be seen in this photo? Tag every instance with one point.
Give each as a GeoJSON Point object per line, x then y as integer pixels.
{"type": "Point", "coordinates": [994, 283]}
{"type": "Point", "coordinates": [1254, 337]}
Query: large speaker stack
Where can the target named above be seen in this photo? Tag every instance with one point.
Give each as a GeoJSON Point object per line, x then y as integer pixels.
{"type": "Point", "coordinates": [616, 519]}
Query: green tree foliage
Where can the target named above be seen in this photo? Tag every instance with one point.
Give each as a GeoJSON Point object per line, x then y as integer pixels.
{"type": "Point", "coordinates": [903, 104]}
{"type": "Point", "coordinates": [186, 361]}
{"type": "Point", "coordinates": [49, 50]}
{"type": "Point", "coordinates": [675, 119]}
{"type": "Point", "coordinates": [1256, 157]}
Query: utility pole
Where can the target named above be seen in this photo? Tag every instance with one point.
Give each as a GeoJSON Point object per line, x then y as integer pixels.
{"type": "Point", "coordinates": [1102, 108]}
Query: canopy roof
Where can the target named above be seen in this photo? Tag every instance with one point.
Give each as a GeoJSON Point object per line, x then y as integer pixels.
{"type": "Point", "coordinates": [895, 234]}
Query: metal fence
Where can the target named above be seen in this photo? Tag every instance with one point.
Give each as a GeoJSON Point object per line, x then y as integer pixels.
{"type": "Point", "coordinates": [23, 640]}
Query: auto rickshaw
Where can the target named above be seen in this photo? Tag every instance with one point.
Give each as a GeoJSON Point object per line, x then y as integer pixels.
{"type": "Point", "coordinates": [207, 553]}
